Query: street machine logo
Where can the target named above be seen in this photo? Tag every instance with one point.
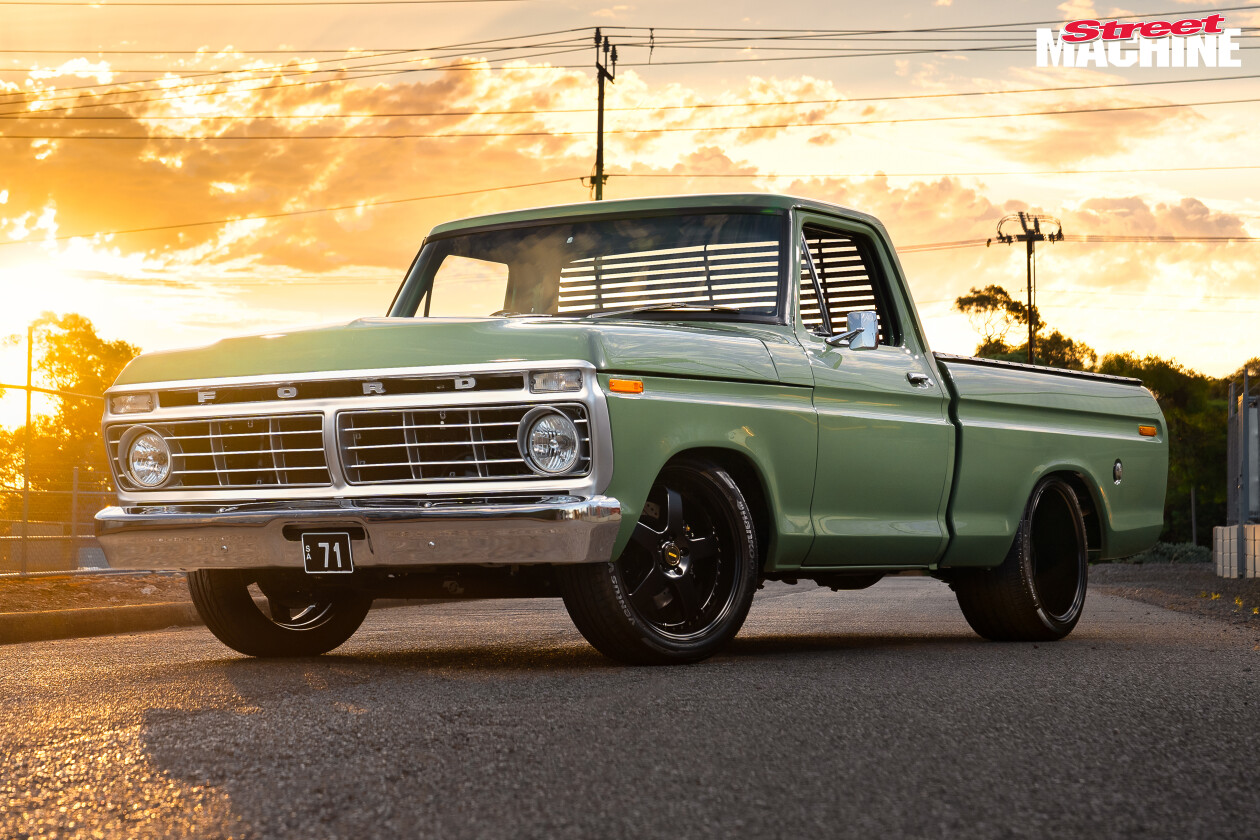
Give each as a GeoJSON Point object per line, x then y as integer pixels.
{"type": "Point", "coordinates": [1193, 42]}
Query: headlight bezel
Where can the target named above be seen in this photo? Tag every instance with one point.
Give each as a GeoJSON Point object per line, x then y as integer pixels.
{"type": "Point", "coordinates": [127, 444]}
{"type": "Point", "coordinates": [525, 432]}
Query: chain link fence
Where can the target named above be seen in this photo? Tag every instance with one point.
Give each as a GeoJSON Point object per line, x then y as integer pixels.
{"type": "Point", "coordinates": [51, 529]}
{"type": "Point", "coordinates": [48, 503]}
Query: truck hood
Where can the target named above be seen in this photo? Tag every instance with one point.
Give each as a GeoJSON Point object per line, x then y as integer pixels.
{"type": "Point", "coordinates": [679, 349]}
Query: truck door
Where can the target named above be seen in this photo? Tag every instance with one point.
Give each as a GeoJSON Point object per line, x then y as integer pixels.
{"type": "Point", "coordinates": [885, 441]}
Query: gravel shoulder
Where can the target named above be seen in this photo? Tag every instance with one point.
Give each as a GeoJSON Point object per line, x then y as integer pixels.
{"type": "Point", "coordinates": [68, 592]}
{"type": "Point", "coordinates": [1184, 587]}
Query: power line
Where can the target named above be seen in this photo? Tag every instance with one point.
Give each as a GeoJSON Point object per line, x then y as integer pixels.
{"type": "Point", "coordinates": [937, 246]}
{"type": "Point", "coordinates": [1095, 293]}
{"type": "Point", "coordinates": [242, 3]}
{"type": "Point", "coordinates": [981, 26]}
{"type": "Point", "coordinates": [666, 130]}
{"type": "Point", "coordinates": [1013, 43]}
{"type": "Point", "coordinates": [186, 68]}
{"type": "Point", "coordinates": [205, 74]}
{"type": "Point", "coordinates": [809, 35]}
{"type": "Point", "coordinates": [873, 54]}
{"type": "Point", "coordinates": [552, 67]}
{"type": "Point", "coordinates": [205, 52]}
{"type": "Point", "coordinates": [877, 174]}
{"type": "Point", "coordinates": [481, 45]}
{"type": "Point", "coordinates": [905, 249]}
{"type": "Point", "coordinates": [79, 53]}
{"type": "Point", "coordinates": [282, 70]}
{"type": "Point", "coordinates": [824, 51]}
{"type": "Point", "coordinates": [1087, 240]}
{"type": "Point", "coordinates": [29, 115]}
{"type": "Point", "coordinates": [286, 214]}
{"type": "Point", "coordinates": [1156, 238]}
{"type": "Point", "coordinates": [185, 94]}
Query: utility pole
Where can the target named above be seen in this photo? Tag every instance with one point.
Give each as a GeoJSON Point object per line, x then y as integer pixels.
{"type": "Point", "coordinates": [602, 72]}
{"type": "Point", "coordinates": [1030, 224]}
{"type": "Point", "coordinates": [26, 454]}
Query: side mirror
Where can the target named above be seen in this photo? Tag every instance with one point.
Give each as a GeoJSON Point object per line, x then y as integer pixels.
{"type": "Point", "coordinates": [863, 331]}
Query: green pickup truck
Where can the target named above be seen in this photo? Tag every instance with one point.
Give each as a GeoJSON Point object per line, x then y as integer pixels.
{"type": "Point", "coordinates": [646, 408]}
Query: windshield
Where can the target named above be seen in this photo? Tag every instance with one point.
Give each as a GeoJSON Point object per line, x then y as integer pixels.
{"type": "Point", "coordinates": [718, 265]}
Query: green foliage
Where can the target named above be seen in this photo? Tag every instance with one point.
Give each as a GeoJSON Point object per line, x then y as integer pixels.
{"type": "Point", "coordinates": [994, 313]}
{"type": "Point", "coordinates": [1252, 366]}
{"type": "Point", "coordinates": [1054, 350]}
{"type": "Point", "coordinates": [69, 356]}
{"type": "Point", "coordinates": [1167, 552]}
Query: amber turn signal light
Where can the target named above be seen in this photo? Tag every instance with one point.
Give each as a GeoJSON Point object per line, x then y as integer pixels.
{"type": "Point", "coordinates": [625, 386]}
{"type": "Point", "coordinates": [1147, 431]}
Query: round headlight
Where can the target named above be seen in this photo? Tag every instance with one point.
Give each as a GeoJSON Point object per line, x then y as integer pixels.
{"type": "Point", "coordinates": [148, 459]}
{"type": "Point", "coordinates": [548, 441]}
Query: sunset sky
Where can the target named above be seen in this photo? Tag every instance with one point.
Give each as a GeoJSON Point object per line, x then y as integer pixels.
{"type": "Point", "coordinates": [1196, 302]}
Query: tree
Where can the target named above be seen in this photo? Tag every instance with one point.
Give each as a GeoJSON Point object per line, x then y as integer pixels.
{"type": "Point", "coordinates": [994, 313]}
{"type": "Point", "coordinates": [1054, 350]}
{"type": "Point", "coordinates": [1252, 366]}
{"type": "Point", "coordinates": [70, 356]}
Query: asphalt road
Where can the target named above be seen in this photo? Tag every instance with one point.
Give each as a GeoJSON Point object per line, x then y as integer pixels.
{"type": "Point", "coordinates": [867, 714]}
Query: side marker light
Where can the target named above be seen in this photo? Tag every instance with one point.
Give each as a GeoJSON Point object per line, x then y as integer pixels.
{"type": "Point", "coordinates": [625, 386]}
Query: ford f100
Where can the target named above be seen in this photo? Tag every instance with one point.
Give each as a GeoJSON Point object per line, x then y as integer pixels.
{"type": "Point", "coordinates": [644, 407]}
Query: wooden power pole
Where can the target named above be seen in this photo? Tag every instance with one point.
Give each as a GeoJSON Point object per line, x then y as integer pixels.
{"type": "Point", "coordinates": [604, 70]}
{"type": "Point", "coordinates": [1030, 233]}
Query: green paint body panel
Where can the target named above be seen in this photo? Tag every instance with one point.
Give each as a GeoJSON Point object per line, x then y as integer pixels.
{"type": "Point", "coordinates": [679, 349]}
{"type": "Point", "coordinates": [1018, 426]}
{"type": "Point", "coordinates": [857, 468]}
{"type": "Point", "coordinates": [771, 427]}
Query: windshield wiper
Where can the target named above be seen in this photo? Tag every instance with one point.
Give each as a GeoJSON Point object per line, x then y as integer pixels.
{"type": "Point", "coordinates": [508, 313]}
{"type": "Point", "coordinates": [685, 307]}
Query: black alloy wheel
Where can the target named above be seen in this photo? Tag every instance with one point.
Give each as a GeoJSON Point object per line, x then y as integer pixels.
{"type": "Point", "coordinates": [683, 585]}
{"type": "Point", "coordinates": [299, 619]}
{"type": "Point", "coordinates": [1038, 592]}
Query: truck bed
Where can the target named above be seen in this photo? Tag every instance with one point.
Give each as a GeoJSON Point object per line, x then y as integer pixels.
{"type": "Point", "coordinates": [1016, 423]}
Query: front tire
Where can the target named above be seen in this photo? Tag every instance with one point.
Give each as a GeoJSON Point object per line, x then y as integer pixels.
{"type": "Point", "coordinates": [1038, 593]}
{"type": "Point", "coordinates": [300, 621]}
{"type": "Point", "coordinates": [682, 587]}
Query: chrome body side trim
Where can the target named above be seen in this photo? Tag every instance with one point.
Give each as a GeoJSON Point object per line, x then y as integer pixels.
{"type": "Point", "coordinates": [590, 395]}
{"type": "Point", "coordinates": [950, 358]}
{"type": "Point", "coordinates": [391, 533]}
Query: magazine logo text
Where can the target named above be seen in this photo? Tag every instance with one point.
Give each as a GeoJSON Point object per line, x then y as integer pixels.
{"type": "Point", "coordinates": [1191, 42]}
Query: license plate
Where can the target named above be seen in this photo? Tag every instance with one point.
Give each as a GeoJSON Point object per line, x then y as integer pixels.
{"type": "Point", "coordinates": [327, 553]}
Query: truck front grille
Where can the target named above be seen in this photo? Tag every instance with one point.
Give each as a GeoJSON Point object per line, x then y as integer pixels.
{"type": "Point", "coordinates": [442, 444]}
{"type": "Point", "coordinates": [237, 452]}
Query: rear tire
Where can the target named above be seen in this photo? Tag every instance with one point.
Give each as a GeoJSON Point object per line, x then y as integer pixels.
{"type": "Point", "coordinates": [1038, 593]}
{"type": "Point", "coordinates": [682, 587]}
{"type": "Point", "coordinates": [301, 621]}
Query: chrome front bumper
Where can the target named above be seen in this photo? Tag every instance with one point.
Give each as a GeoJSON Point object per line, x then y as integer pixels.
{"type": "Point", "coordinates": [391, 532]}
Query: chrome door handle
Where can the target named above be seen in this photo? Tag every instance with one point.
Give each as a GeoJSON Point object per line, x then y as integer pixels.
{"type": "Point", "coordinates": [919, 380]}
